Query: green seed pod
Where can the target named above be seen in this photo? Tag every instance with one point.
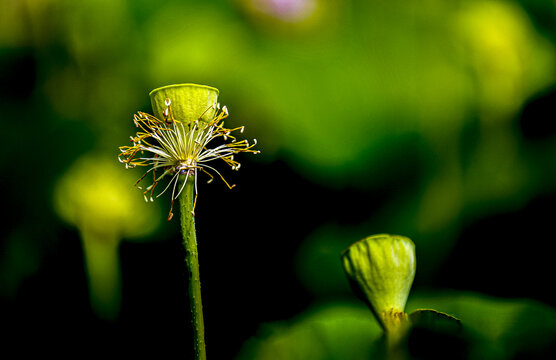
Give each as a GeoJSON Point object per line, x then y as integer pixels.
{"type": "Point", "coordinates": [381, 269]}
{"type": "Point", "coordinates": [189, 101]}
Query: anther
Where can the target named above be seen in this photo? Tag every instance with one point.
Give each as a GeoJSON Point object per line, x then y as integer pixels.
{"type": "Point", "coordinates": [167, 102]}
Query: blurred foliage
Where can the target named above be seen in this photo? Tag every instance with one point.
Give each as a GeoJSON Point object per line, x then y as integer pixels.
{"type": "Point", "coordinates": [329, 331]}
{"type": "Point", "coordinates": [493, 328]}
{"type": "Point", "coordinates": [94, 195]}
{"type": "Point", "coordinates": [416, 103]}
{"type": "Point", "coordinates": [497, 328]}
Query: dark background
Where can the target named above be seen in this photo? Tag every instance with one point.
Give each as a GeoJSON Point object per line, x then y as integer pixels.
{"type": "Point", "coordinates": [434, 121]}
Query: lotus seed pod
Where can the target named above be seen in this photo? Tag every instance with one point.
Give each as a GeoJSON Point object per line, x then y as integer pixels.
{"type": "Point", "coordinates": [189, 102]}
{"type": "Point", "coordinates": [94, 194]}
{"type": "Point", "coordinates": [381, 269]}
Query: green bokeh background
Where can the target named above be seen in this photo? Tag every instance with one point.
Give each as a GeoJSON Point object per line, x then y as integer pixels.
{"type": "Point", "coordinates": [432, 119]}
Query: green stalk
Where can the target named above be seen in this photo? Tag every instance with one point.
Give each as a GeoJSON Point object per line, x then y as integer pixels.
{"type": "Point", "coordinates": [396, 328]}
{"type": "Point", "coordinates": [192, 261]}
{"type": "Point", "coordinates": [103, 272]}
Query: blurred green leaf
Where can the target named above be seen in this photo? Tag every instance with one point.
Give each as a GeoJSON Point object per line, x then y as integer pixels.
{"type": "Point", "coordinates": [435, 320]}
{"type": "Point", "coordinates": [335, 331]}
{"type": "Point", "coordinates": [499, 328]}
{"type": "Point", "coordinates": [492, 328]}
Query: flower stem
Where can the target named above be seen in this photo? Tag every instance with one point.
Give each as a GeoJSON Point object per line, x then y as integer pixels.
{"type": "Point", "coordinates": [192, 261]}
{"type": "Point", "coordinates": [103, 271]}
{"type": "Point", "coordinates": [396, 327]}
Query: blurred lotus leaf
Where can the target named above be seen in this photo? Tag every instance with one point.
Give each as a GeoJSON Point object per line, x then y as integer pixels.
{"type": "Point", "coordinates": [436, 320]}
{"type": "Point", "coordinates": [490, 328]}
{"type": "Point", "coordinates": [509, 60]}
{"type": "Point", "coordinates": [341, 331]}
{"type": "Point", "coordinates": [497, 328]}
{"type": "Point", "coordinates": [436, 335]}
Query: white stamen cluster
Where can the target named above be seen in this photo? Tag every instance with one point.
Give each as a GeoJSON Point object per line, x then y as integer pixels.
{"type": "Point", "coordinates": [181, 148]}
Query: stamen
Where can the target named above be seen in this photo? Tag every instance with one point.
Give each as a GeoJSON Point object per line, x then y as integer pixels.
{"type": "Point", "coordinates": [178, 149]}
